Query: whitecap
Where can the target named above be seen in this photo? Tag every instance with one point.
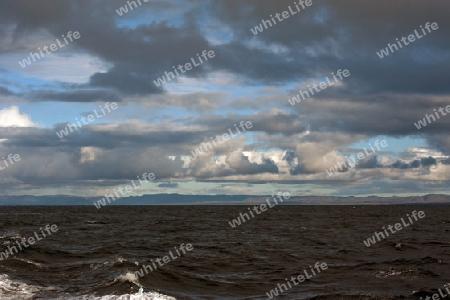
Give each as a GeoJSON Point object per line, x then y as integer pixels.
{"type": "Point", "coordinates": [140, 295]}
{"type": "Point", "coordinates": [14, 290]}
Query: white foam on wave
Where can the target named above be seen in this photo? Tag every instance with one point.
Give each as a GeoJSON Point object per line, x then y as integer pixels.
{"type": "Point", "coordinates": [130, 277]}
{"type": "Point", "coordinates": [96, 264]}
{"type": "Point", "coordinates": [14, 290]}
{"type": "Point", "coordinates": [29, 262]}
{"type": "Point", "coordinates": [10, 237]}
{"type": "Point", "coordinates": [140, 295]}
{"type": "Point", "coordinates": [150, 296]}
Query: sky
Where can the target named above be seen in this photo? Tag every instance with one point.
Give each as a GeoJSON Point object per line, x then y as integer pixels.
{"type": "Point", "coordinates": [249, 79]}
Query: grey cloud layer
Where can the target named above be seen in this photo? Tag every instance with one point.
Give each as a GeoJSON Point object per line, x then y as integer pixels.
{"type": "Point", "coordinates": [381, 97]}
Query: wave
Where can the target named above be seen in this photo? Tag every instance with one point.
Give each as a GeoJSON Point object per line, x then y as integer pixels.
{"type": "Point", "coordinates": [15, 290]}
{"type": "Point", "coordinates": [140, 295]}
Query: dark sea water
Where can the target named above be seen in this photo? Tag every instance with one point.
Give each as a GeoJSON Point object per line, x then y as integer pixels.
{"type": "Point", "coordinates": [95, 252]}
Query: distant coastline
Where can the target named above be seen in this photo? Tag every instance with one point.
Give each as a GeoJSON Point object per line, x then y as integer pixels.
{"type": "Point", "coordinates": [178, 199]}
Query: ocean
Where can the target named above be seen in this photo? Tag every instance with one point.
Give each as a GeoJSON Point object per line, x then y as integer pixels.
{"type": "Point", "coordinates": [102, 253]}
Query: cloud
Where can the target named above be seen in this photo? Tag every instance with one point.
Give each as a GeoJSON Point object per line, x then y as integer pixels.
{"type": "Point", "coordinates": [370, 162]}
{"type": "Point", "coordinates": [5, 91]}
{"type": "Point", "coordinates": [417, 163]}
{"type": "Point", "coordinates": [11, 117]}
{"type": "Point", "coordinates": [249, 79]}
{"type": "Point", "coordinates": [168, 185]}
{"type": "Point", "coordinates": [77, 96]}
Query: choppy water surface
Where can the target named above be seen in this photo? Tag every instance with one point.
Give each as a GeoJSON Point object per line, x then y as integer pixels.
{"type": "Point", "coordinates": [95, 252]}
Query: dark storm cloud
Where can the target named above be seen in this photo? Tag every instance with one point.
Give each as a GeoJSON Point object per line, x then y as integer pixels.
{"type": "Point", "coordinates": [270, 123]}
{"type": "Point", "coordinates": [5, 91]}
{"type": "Point", "coordinates": [77, 96]}
{"type": "Point", "coordinates": [328, 35]}
{"type": "Point", "coordinates": [370, 162]}
{"type": "Point", "coordinates": [373, 115]}
{"type": "Point", "coordinates": [440, 141]}
{"type": "Point", "coordinates": [423, 162]}
{"type": "Point", "coordinates": [139, 55]}
{"type": "Point", "coordinates": [294, 168]}
{"type": "Point", "coordinates": [428, 161]}
{"type": "Point", "coordinates": [97, 136]}
{"type": "Point", "coordinates": [381, 96]}
{"type": "Point", "coordinates": [129, 134]}
{"type": "Point", "coordinates": [322, 38]}
{"type": "Point", "coordinates": [27, 137]}
{"type": "Point", "coordinates": [148, 50]}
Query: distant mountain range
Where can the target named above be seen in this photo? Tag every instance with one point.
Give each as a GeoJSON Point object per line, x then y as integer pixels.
{"type": "Point", "coordinates": [178, 199]}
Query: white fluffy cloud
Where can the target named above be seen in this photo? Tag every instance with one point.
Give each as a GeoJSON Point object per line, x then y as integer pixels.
{"type": "Point", "coordinates": [11, 117]}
